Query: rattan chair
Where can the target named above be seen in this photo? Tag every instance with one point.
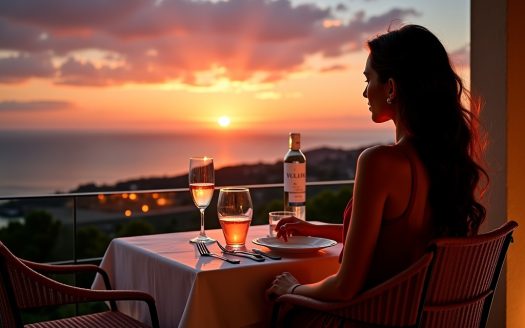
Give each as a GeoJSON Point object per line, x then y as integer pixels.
{"type": "Point", "coordinates": [394, 303]}
{"type": "Point", "coordinates": [457, 292]}
{"type": "Point", "coordinates": [23, 286]}
{"type": "Point", "coordinates": [464, 277]}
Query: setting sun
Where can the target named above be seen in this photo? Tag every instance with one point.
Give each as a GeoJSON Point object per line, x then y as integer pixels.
{"type": "Point", "coordinates": [224, 121]}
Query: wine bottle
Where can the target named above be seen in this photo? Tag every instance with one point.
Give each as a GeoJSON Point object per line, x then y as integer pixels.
{"type": "Point", "coordinates": [295, 177]}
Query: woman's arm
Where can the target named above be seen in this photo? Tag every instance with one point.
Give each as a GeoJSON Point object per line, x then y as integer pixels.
{"type": "Point", "coordinates": [293, 226]}
{"type": "Point", "coordinates": [371, 187]}
{"type": "Point", "coordinates": [330, 231]}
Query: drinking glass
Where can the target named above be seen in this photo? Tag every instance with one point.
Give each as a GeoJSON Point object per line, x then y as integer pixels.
{"type": "Point", "coordinates": [235, 211]}
{"type": "Point", "coordinates": [275, 217]}
{"type": "Point", "coordinates": [202, 184]}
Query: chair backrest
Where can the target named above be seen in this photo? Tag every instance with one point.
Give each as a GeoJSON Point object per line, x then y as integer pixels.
{"type": "Point", "coordinates": [395, 303]}
{"type": "Point", "coordinates": [463, 278]}
{"type": "Point", "coordinates": [23, 288]}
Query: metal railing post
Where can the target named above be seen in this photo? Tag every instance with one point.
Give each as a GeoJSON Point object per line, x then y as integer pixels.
{"type": "Point", "coordinates": [75, 245]}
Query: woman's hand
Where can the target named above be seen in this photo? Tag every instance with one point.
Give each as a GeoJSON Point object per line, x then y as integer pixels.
{"type": "Point", "coordinates": [293, 226]}
{"type": "Point", "coordinates": [282, 284]}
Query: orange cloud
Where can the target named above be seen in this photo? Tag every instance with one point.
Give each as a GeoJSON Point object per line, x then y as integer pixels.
{"type": "Point", "coordinates": [251, 40]}
{"type": "Point", "coordinates": [334, 68]}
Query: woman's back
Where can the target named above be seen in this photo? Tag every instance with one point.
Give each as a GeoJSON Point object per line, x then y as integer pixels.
{"type": "Point", "coordinates": [403, 239]}
{"type": "Point", "coordinates": [406, 227]}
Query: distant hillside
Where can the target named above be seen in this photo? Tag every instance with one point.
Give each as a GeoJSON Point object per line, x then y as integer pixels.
{"type": "Point", "coordinates": [321, 164]}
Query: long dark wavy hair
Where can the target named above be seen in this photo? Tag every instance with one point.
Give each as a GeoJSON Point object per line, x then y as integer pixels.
{"type": "Point", "coordinates": [443, 131]}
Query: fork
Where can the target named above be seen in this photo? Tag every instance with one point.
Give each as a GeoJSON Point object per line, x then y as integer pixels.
{"type": "Point", "coordinates": [204, 251]}
{"type": "Point", "coordinates": [251, 256]}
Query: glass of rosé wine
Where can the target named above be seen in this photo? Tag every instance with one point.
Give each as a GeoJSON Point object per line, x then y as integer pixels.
{"type": "Point", "coordinates": [202, 184]}
{"type": "Point", "coordinates": [235, 211]}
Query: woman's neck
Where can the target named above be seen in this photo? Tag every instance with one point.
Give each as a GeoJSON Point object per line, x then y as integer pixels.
{"type": "Point", "coordinates": [401, 133]}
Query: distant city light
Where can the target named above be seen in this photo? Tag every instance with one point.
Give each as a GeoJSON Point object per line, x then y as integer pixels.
{"type": "Point", "coordinates": [127, 213]}
{"type": "Point", "coordinates": [145, 208]}
{"type": "Point", "coordinates": [133, 196]}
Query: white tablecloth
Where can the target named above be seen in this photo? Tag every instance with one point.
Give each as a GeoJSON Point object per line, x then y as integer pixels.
{"type": "Point", "coordinates": [194, 291]}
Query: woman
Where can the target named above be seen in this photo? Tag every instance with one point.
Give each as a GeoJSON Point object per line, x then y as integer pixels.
{"type": "Point", "coordinates": [423, 186]}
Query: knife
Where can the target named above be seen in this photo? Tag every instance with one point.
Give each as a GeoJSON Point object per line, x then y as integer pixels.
{"type": "Point", "coordinates": [251, 256]}
{"type": "Point", "coordinates": [273, 257]}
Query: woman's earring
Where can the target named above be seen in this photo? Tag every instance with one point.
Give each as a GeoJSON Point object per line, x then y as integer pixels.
{"type": "Point", "coordinates": [389, 101]}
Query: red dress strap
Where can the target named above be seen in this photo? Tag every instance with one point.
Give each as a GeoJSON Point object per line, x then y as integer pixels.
{"type": "Point", "coordinates": [346, 224]}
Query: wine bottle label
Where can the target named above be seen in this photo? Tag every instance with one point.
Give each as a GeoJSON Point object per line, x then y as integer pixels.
{"type": "Point", "coordinates": [296, 198]}
{"type": "Point", "coordinates": [295, 177]}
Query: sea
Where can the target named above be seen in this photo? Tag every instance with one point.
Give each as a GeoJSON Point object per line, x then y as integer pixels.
{"type": "Point", "coordinates": [44, 162]}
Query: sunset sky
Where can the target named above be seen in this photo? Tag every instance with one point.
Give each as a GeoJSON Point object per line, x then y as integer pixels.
{"type": "Point", "coordinates": [180, 65]}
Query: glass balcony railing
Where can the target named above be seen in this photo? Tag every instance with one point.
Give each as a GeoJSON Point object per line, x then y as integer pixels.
{"type": "Point", "coordinates": [77, 227]}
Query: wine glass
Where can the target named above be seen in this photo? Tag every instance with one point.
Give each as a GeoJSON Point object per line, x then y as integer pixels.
{"type": "Point", "coordinates": [202, 184]}
{"type": "Point", "coordinates": [235, 211]}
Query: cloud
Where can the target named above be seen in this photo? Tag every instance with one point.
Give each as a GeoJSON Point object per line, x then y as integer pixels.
{"type": "Point", "coordinates": [19, 37]}
{"type": "Point", "coordinates": [16, 69]}
{"type": "Point", "coordinates": [11, 105]}
{"type": "Point", "coordinates": [69, 15]}
{"type": "Point", "coordinates": [74, 72]}
{"type": "Point", "coordinates": [334, 68]}
{"type": "Point", "coordinates": [461, 57]}
{"type": "Point", "coordinates": [391, 18]}
{"type": "Point", "coordinates": [341, 7]}
{"type": "Point", "coordinates": [177, 40]}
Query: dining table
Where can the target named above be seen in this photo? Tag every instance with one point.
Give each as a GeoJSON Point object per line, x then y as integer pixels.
{"type": "Point", "coordinates": [191, 290]}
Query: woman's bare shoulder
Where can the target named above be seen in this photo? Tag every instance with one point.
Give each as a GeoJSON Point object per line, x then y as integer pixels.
{"type": "Point", "coordinates": [383, 155]}
{"type": "Point", "coordinates": [385, 166]}
{"type": "Point", "coordinates": [383, 170]}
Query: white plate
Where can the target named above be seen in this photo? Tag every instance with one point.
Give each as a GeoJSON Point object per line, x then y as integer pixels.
{"type": "Point", "coordinates": [295, 244]}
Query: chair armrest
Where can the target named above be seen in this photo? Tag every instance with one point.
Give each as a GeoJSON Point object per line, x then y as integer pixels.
{"type": "Point", "coordinates": [74, 268]}
{"type": "Point", "coordinates": [62, 268]}
{"type": "Point", "coordinates": [83, 295]}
